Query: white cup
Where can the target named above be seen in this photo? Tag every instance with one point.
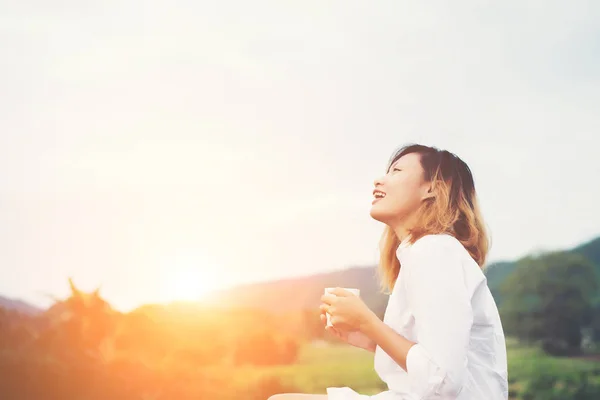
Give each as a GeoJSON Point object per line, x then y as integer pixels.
{"type": "Point", "coordinates": [354, 291]}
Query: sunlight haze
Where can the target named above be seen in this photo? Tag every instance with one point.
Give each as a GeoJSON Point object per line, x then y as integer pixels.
{"type": "Point", "coordinates": [163, 150]}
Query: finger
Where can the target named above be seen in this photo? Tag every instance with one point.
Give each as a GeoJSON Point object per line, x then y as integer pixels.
{"type": "Point", "coordinates": [333, 331]}
{"type": "Point", "coordinates": [340, 292]}
{"type": "Point", "coordinates": [338, 334]}
{"type": "Point", "coordinates": [328, 298]}
{"type": "Point", "coordinates": [324, 309]}
{"type": "Point", "coordinates": [336, 321]}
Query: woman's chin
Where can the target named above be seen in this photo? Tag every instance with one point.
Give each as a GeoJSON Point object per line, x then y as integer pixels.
{"type": "Point", "coordinates": [378, 214]}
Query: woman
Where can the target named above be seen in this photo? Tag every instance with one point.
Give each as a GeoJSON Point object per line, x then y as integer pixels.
{"type": "Point", "coordinates": [441, 336]}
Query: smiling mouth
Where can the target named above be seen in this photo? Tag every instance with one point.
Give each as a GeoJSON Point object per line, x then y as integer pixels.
{"type": "Point", "coordinates": [378, 194]}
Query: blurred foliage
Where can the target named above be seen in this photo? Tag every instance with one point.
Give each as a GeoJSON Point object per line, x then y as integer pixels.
{"type": "Point", "coordinates": [549, 299]}
{"type": "Point", "coordinates": [81, 348]}
{"type": "Point", "coordinates": [555, 385]}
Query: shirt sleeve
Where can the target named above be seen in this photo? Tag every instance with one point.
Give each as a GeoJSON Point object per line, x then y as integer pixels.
{"type": "Point", "coordinates": [440, 302]}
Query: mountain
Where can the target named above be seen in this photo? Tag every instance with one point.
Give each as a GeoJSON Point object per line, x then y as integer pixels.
{"type": "Point", "coordinates": [305, 292]}
{"type": "Point", "coordinates": [19, 305]}
{"type": "Point", "coordinates": [496, 273]}
{"type": "Point", "coordinates": [591, 250]}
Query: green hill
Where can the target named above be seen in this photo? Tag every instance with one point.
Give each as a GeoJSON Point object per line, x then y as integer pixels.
{"type": "Point", "coordinates": [591, 250]}
{"type": "Point", "coordinates": [496, 273]}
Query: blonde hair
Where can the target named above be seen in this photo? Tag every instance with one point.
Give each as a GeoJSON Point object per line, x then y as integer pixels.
{"type": "Point", "coordinates": [453, 210]}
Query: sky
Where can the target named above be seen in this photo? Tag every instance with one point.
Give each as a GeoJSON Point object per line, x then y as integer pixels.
{"type": "Point", "coordinates": [160, 150]}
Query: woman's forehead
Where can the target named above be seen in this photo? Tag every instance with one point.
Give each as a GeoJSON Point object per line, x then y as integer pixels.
{"type": "Point", "coordinates": [408, 160]}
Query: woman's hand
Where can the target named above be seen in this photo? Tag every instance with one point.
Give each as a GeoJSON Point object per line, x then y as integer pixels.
{"type": "Point", "coordinates": [355, 338]}
{"type": "Point", "coordinates": [349, 315]}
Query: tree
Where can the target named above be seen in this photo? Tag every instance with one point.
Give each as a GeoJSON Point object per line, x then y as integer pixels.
{"type": "Point", "coordinates": [549, 299]}
{"type": "Point", "coordinates": [595, 324]}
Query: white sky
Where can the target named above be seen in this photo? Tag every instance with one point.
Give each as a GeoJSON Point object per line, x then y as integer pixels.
{"type": "Point", "coordinates": [163, 148]}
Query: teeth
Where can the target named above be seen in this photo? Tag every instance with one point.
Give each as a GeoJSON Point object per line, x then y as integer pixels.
{"type": "Point", "coordinates": [379, 195]}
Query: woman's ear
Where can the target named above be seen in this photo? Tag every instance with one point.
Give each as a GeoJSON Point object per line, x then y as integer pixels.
{"type": "Point", "coordinates": [429, 193]}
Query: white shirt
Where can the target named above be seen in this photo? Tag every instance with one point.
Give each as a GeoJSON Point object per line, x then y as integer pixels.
{"type": "Point", "coordinates": [442, 302]}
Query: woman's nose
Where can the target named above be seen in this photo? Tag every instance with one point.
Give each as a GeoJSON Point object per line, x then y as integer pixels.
{"type": "Point", "coordinates": [378, 181]}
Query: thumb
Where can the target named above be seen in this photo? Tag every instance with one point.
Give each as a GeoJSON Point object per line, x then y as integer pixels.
{"type": "Point", "coordinates": [334, 331]}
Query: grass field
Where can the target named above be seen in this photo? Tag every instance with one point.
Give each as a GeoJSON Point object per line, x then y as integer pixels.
{"type": "Point", "coordinates": [320, 366]}
{"type": "Point", "coordinates": [524, 362]}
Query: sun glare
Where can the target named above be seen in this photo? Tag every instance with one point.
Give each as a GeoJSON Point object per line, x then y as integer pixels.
{"type": "Point", "coordinates": [189, 278]}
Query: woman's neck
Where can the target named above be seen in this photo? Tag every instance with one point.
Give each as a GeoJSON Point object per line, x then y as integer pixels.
{"type": "Point", "coordinates": [401, 232]}
{"type": "Point", "coordinates": [403, 227]}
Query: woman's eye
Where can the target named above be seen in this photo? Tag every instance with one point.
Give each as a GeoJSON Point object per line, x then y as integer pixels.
{"type": "Point", "coordinates": [397, 169]}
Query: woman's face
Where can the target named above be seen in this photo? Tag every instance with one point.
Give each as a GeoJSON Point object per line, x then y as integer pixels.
{"type": "Point", "coordinates": [398, 194]}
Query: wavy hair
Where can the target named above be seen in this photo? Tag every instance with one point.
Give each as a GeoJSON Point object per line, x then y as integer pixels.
{"type": "Point", "coordinates": [453, 210]}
